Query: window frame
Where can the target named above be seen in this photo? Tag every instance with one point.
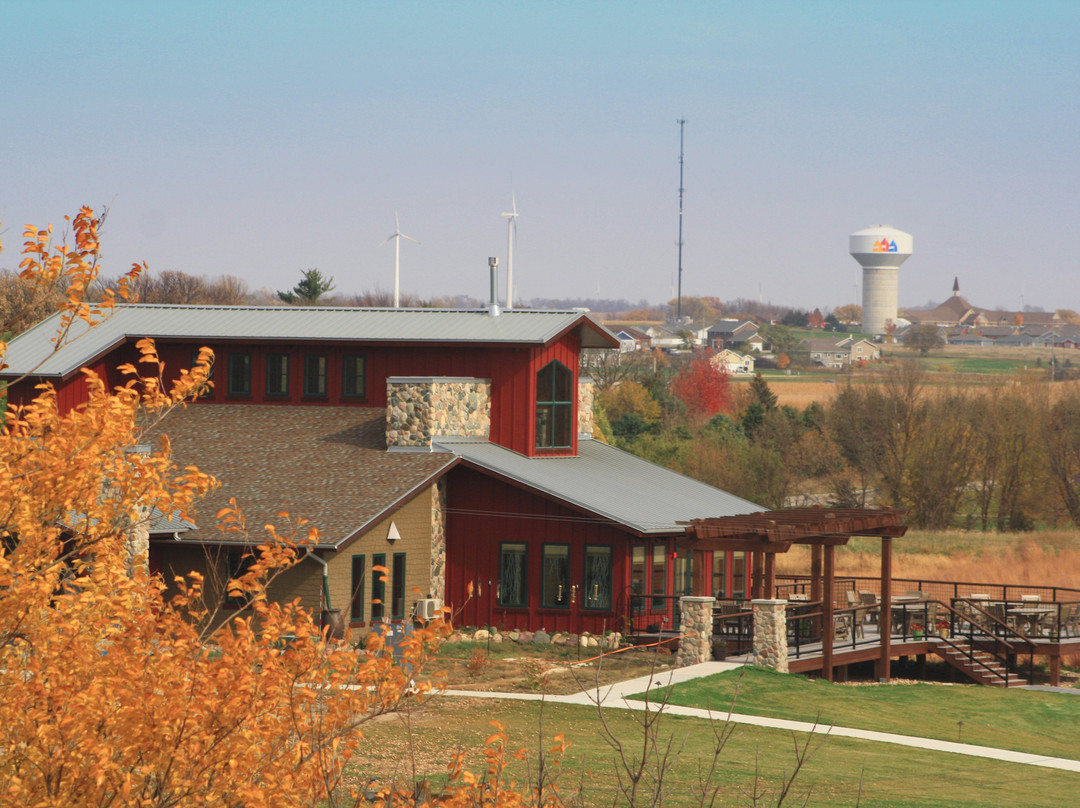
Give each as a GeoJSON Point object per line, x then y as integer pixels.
{"type": "Point", "coordinates": [549, 409]}
{"type": "Point", "coordinates": [562, 599]}
{"type": "Point", "coordinates": [280, 374]}
{"type": "Point", "coordinates": [356, 598]}
{"type": "Point", "coordinates": [523, 603]}
{"type": "Point", "coordinates": [356, 359]}
{"type": "Point", "coordinates": [590, 585]}
{"type": "Point", "coordinates": [657, 595]}
{"type": "Point", "coordinates": [235, 359]}
{"type": "Point", "coordinates": [378, 588]}
{"type": "Point", "coordinates": [310, 361]}
{"type": "Point", "coordinates": [397, 587]}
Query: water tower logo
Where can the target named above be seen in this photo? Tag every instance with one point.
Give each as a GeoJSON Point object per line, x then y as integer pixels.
{"type": "Point", "coordinates": [884, 246]}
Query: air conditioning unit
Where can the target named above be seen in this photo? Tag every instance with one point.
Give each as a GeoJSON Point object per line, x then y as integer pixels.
{"type": "Point", "coordinates": [427, 608]}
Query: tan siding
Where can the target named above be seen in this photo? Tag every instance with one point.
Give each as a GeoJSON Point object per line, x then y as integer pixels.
{"type": "Point", "coordinates": [413, 521]}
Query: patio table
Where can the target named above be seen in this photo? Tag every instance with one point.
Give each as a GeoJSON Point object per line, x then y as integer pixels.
{"type": "Point", "coordinates": [1030, 618]}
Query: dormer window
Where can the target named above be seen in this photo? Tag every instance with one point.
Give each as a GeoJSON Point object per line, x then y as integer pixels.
{"type": "Point", "coordinates": [554, 406]}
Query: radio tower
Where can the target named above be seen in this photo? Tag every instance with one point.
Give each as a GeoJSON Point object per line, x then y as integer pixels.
{"type": "Point", "coordinates": [678, 308]}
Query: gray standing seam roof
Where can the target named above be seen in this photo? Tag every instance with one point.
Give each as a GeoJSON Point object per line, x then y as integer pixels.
{"type": "Point", "coordinates": [613, 484]}
{"type": "Point", "coordinates": [34, 347]}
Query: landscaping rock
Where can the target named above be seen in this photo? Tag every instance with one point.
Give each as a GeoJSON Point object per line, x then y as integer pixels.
{"type": "Point", "coordinates": [482, 635]}
{"type": "Point", "coordinates": [541, 636]}
{"type": "Point", "coordinates": [523, 637]}
{"type": "Point", "coordinates": [496, 638]}
{"type": "Point", "coordinates": [558, 639]}
{"type": "Point", "coordinates": [513, 635]}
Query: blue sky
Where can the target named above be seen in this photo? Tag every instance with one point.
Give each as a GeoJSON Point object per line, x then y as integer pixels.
{"type": "Point", "coordinates": [259, 139]}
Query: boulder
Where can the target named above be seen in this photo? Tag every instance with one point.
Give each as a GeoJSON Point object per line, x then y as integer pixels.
{"type": "Point", "coordinates": [482, 635]}
{"type": "Point", "coordinates": [541, 636]}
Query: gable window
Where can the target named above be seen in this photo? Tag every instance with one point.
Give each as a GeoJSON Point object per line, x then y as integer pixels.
{"type": "Point", "coordinates": [597, 576]}
{"type": "Point", "coordinates": [555, 574]}
{"type": "Point", "coordinates": [239, 374]}
{"type": "Point", "coordinates": [356, 605]}
{"type": "Point", "coordinates": [315, 375]}
{"type": "Point", "coordinates": [378, 586]}
{"type": "Point", "coordinates": [352, 376]}
{"type": "Point", "coordinates": [554, 406]}
{"type": "Point", "coordinates": [277, 374]}
{"type": "Point", "coordinates": [513, 589]}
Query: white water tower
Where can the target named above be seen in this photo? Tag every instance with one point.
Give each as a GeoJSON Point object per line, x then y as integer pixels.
{"type": "Point", "coordinates": [880, 250]}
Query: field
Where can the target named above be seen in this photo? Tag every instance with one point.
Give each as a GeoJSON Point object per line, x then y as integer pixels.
{"type": "Point", "coordinates": [961, 366]}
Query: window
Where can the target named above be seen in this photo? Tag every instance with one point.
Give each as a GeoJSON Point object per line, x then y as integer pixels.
{"type": "Point", "coordinates": [277, 374]}
{"type": "Point", "coordinates": [597, 576]}
{"type": "Point", "coordinates": [315, 375]}
{"type": "Point", "coordinates": [397, 588]}
{"type": "Point", "coordinates": [738, 575]}
{"type": "Point", "coordinates": [240, 374]}
{"type": "Point", "coordinates": [378, 586]}
{"type": "Point", "coordinates": [239, 562]}
{"type": "Point", "coordinates": [555, 576]}
{"type": "Point", "coordinates": [352, 377]}
{"type": "Point", "coordinates": [637, 576]}
{"type": "Point", "coordinates": [684, 574]}
{"type": "Point", "coordinates": [356, 607]}
{"type": "Point", "coordinates": [554, 406]}
{"type": "Point", "coordinates": [513, 578]}
{"type": "Point", "coordinates": [659, 576]}
{"type": "Point", "coordinates": [719, 573]}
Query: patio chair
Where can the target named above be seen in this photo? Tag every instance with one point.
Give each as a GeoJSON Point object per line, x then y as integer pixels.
{"type": "Point", "coordinates": [1030, 598]}
{"type": "Point", "coordinates": [997, 610]}
{"type": "Point", "coordinates": [842, 626]}
{"type": "Point", "coordinates": [873, 610]}
{"type": "Point", "coordinates": [978, 596]}
{"type": "Point", "coordinates": [915, 593]}
{"type": "Point", "coordinates": [1070, 620]}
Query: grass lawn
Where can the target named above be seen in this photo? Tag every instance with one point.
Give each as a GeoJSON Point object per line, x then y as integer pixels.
{"type": "Point", "coordinates": [1022, 720]}
{"type": "Point", "coordinates": [417, 745]}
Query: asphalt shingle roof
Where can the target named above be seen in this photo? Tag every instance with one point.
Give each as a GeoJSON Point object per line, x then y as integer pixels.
{"type": "Point", "coordinates": [328, 465]}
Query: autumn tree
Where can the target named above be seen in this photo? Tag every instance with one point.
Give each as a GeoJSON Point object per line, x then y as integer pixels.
{"type": "Point", "coordinates": [112, 693]}
{"type": "Point", "coordinates": [307, 292]}
{"type": "Point", "coordinates": [924, 337]}
{"type": "Point", "coordinates": [703, 387]}
{"type": "Point", "coordinates": [849, 314]}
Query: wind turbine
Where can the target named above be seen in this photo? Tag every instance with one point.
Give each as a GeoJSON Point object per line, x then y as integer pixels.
{"type": "Point", "coordinates": [397, 236]}
{"type": "Point", "coordinates": [511, 231]}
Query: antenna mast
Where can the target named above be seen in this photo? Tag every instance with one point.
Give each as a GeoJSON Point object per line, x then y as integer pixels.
{"type": "Point", "coordinates": [678, 309]}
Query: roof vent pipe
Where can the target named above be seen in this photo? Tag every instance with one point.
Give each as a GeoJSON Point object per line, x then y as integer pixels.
{"type": "Point", "coordinates": [493, 309]}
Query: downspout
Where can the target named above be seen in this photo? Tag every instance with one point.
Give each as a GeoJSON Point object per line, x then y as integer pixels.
{"type": "Point", "coordinates": [325, 574]}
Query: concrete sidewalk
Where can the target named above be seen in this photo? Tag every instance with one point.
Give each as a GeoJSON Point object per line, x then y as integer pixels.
{"type": "Point", "coordinates": [616, 696]}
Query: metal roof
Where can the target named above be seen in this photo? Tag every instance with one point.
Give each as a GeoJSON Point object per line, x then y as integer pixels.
{"type": "Point", "coordinates": [608, 482]}
{"type": "Point", "coordinates": [33, 350]}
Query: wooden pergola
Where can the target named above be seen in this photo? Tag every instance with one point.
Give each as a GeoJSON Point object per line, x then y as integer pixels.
{"type": "Point", "coordinates": [767, 533]}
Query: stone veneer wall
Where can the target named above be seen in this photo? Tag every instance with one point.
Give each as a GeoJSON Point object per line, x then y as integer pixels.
{"type": "Point", "coordinates": [696, 624]}
{"type": "Point", "coordinates": [438, 540]}
{"type": "Point", "coordinates": [770, 634]}
{"type": "Point", "coordinates": [421, 408]}
{"type": "Point", "coordinates": [585, 396]}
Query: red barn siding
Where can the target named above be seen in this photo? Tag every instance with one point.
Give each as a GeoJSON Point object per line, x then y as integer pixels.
{"type": "Point", "coordinates": [473, 537]}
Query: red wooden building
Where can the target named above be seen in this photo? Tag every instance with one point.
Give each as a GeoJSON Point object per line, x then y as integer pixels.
{"type": "Point", "coordinates": [453, 448]}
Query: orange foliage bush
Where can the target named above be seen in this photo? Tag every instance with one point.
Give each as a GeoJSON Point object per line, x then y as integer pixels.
{"type": "Point", "coordinates": [111, 694]}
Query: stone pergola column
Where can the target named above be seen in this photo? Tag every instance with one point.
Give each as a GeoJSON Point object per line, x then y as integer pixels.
{"type": "Point", "coordinates": [696, 624]}
{"type": "Point", "coordinates": [770, 634]}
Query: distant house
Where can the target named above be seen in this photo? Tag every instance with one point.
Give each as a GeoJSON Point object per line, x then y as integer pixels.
{"type": "Point", "coordinates": [632, 339]}
{"type": "Point", "coordinates": [731, 333]}
{"type": "Point", "coordinates": [733, 362]}
{"type": "Point", "coordinates": [672, 335]}
{"type": "Point", "coordinates": [840, 353]}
